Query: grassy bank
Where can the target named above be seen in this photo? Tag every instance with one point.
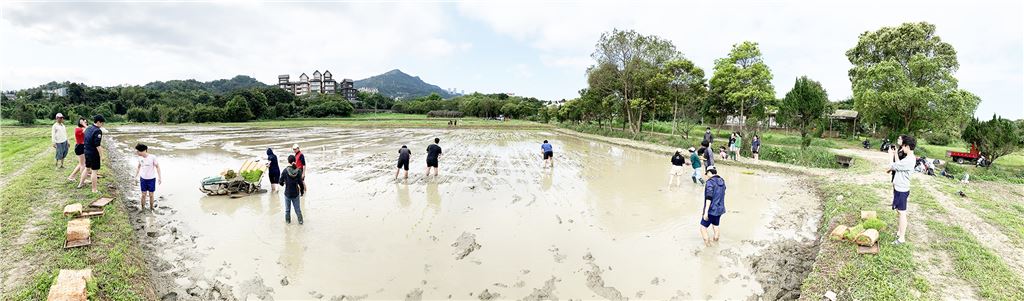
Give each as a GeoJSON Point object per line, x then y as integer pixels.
{"type": "Point", "coordinates": [33, 231]}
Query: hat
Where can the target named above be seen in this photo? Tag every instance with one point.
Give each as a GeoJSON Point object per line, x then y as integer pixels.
{"type": "Point", "coordinates": [712, 167]}
{"type": "Point", "coordinates": [692, 150]}
{"type": "Point", "coordinates": [679, 150]}
{"type": "Point", "coordinates": [294, 146]}
{"type": "Point", "coordinates": [59, 115]}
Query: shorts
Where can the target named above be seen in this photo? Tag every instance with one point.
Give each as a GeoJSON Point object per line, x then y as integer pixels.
{"type": "Point", "coordinates": [403, 164]}
{"type": "Point", "coordinates": [79, 149]}
{"type": "Point", "coordinates": [432, 162]}
{"type": "Point", "coordinates": [62, 150]}
{"type": "Point", "coordinates": [548, 155]}
{"type": "Point", "coordinates": [712, 220]}
{"type": "Point", "coordinates": [92, 161]}
{"type": "Point", "coordinates": [147, 184]}
{"type": "Point", "coordinates": [676, 170]}
{"type": "Point", "coordinates": [899, 200]}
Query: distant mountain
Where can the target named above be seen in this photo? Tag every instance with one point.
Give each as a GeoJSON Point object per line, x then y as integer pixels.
{"type": "Point", "coordinates": [397, 84]}
{"type": "Point", "coordinates": [216, 86]}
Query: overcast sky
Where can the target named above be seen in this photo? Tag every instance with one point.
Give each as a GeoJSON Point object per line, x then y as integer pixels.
{"type": "Point", "coordinates": [530, 48]}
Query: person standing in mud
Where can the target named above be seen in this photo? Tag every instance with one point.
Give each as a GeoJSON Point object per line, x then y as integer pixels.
{"type": "Point", "coordinates": [300, 159]}
{"type": "Point", "coordinates": [294, 187]}
{"type": "Point", "coordinates": [677, 167]}
{"type": "Point", "coordinates": [404, 155]}
{"type": "Point", "coordinates": [714, 206]}
{"type": "Point", "coordinates": [433, 152]}
{"type": "Point", "coordinates": [548, 152]}
{"type": "Point", "coordinates": [755, 147]}
{"type": "Point", "coordinates": [709, 156]}
{"type": "Point", "coordinates": [695, 163]}
{"type": "Point", "coordinates": [901, 170]}
{"type": "Point", "coordinates": [148, 173]}
{"type": "Point", "coordinates": [93, 139]}
{"type": "Point", "coordinates": [59, 137]}
{"type": "Point", "coordinates": [79, 148]}
{"type": "Point", "coordinates": [273, 170]}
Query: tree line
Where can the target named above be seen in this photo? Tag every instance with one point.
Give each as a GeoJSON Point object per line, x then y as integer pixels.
{"type": "Point", "coordinates": [476, 105]}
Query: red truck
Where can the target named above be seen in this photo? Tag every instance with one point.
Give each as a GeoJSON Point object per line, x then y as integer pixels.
{"type": "Point", "coordinates": [961, 157]}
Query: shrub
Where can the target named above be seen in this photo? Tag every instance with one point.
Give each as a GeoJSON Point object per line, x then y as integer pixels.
{"type": "Point", "coordinates": [137, 114]}
{"type": "Point", "coordinates": [329, 109]}
{"type": "Point", "coordinates": [939, 139]}
{"type": "Point", "coordinates": [444, 114]}
{"type": "Point", "coordinates": [811, 156]}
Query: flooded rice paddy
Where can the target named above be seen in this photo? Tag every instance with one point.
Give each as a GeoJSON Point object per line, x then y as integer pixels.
{"type": "Point", "coordinates": [601, 224]}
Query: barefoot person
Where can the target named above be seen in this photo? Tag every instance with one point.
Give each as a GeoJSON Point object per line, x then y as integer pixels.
{"type": "Point", "coordinates": [273, 170]}
{"type": "Point", "coordinates": [709, 156]}
{"type": "Point", "coordinates": [294, 187]}
{"type": "Point", "coordinates": [59, 137]}
{"type": "Point", "coordinates": [901, 170]}
{"type": "Point", "coordinates": [714, 206]}
{"type": "Point", "coordinates": [93, 139]}
{"type": "Point", "coordinates": [677, 168]}
{"type": "Point", "coordinates": [548, 152]}
{"type": "Point", "coordinates": [148, 173]}
{"type": "Point", "coordinates": [79, 148]}
{"type": "Point", "coordinates": [433, 152]}
{"type": "Point", "coordinates": [404, 155]}
{"type": "Point", "coordinates": [695, 163]}
{"type": "Point", "coordinates": [300, 159]}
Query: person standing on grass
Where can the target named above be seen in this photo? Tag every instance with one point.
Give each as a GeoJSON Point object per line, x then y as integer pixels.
{"type": "Point", "coordinates": [548, 152]}
{"type": "Point", "coordinates": [755, 147]}
{"type": "Point", "coordinates": [79, 148]}
{"type": "Point", "coordinates": [677, 167]}
{"type": "Point", "coordinates": [737, 146]}
{"type": "Point", "coordinates": [707, 136]}
{"type": "Point", "coordinates": [731, 146]}
{"type": "Point", "coordinates": [695, 163]}
{"type": "Point", "coordinates": [148, 173]}
{"type": "Point", "coordinates": [901, 170]}
{"type": "Point", "coordinates": [433, 152]}
{"type": "Point", "coordinates": [709, 156]}
{"type": "Point", "coordinates": [404, 155]}
{"type": "Point", "coordinates": [294, 187]}
{"type": "Point", "coordinates": [59, 137]}
{"type": "Point", "coordinates": [93, 140]}
{"type": "Point", "coordinates": [714, 206]}
{"type": "Point", "coordinates": [273, 170]}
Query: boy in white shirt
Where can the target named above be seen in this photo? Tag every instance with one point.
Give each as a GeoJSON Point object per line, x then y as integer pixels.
{"type": "Point", "coordinates": [148, 173]}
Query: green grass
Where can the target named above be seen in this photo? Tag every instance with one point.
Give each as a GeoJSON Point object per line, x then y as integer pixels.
{"type": "Point", "coordinates": [114, 256]}
{"type": "Point", "coordinates": [18, 144]}
{"type": "Point", "coordinates": [1006, 214]}
{"type": "Point", "coordinates": [892, 274]}
{"type": "Point", "coordinates": [976, 264]}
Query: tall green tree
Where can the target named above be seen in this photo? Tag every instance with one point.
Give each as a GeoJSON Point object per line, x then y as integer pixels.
{"type": "Point", "coordinates": [688, 88]}
{"type": "Point", "coordinates": [804, 106]}
{"type": "Point", "coordinates": [743, 81]}
{"type": "Point", "coordinates": [994, 138]}
{"type": "Point", "coordinates": [902, 79]}
{"type": "Point", "coordinates": [237, 109]}
{"type": "Point", "coordinates": [629, 57]}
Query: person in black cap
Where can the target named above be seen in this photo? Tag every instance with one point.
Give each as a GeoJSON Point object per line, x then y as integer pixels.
{"type": "Point", "coordinates": [93, 139]}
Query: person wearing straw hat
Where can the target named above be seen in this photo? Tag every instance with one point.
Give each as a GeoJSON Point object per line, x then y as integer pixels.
{"type": "Point", "coordinates": [59, 137]}
{"type": "Point", "coordinates": [677, 168]}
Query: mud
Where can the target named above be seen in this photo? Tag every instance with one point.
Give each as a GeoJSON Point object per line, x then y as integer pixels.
{"type": "Point", "coordinates": [601, 224]}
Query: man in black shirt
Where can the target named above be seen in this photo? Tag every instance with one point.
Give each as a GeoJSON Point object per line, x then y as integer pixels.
{"type": "Point", "coordinates": [294, 187]}
{"type": "Point", "coordinates": [404, 155]}
{"type": "Point", "coordinates": [433, 151]}
{"type": "Point", "coordinates": [93, 141]}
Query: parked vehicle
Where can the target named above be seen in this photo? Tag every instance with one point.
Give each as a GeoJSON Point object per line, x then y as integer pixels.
{"type": "Point", "coordinates": [971, 156]}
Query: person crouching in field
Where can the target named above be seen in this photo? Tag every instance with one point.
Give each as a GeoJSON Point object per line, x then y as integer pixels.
{"type": "Point", "coordinates": [548, 152]}
{"type": "Point", "coordinates": [695, 163]}
{"type": "Point", "coordinates": [273, 170]}
{"type": "Point", "coordinates": [901, 169]}
{"type": "Point", "coordinates": [59, 137]}
{"type": "Point", "coordinates": [677, 168]}
{"type": "Point", "coordinates": [714, 206]}
{"type": "Point", "coordinates": [404, 155]}
{"type": "Point", "coordinates": [433, 152]}
{"type": "Point", "coordinates": [294, 187]}
{"type": "Point", "coordinates": [148, 173]}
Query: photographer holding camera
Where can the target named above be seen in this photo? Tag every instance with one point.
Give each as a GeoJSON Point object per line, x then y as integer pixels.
{"type": "Point", "coordinates": [901, 169]}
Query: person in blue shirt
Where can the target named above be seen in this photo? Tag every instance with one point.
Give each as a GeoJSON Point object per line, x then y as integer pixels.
{"type": "Point", "coordinates": [714, 206]}
{"type": "Point", "coordinates": [549, 154]}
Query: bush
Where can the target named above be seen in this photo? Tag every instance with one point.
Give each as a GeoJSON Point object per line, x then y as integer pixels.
{"type": "Point", "coordinates": [444, 114]}
{"type": "Point", "coordinates": [939, 139]}
{"type": "Point", "coordinates": [329, 109]}
{"type": "Point", "coordinates": [137, 114]}
{"type": "Point", "coordinates": [810, 157]}
{"type": "Point", "coordinates": [205, 113]}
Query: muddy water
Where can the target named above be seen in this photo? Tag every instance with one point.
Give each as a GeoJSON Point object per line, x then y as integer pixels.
{"type": "Point", "coordinates": [601, 224]}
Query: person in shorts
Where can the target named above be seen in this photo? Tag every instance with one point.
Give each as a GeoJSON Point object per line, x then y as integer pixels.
{"type": "Point", "coordinates": [433, 152]}
{"type": "Point", "coordinates": [677, 168]}
{"type": "Point", "coordinates": [901, 170]}
{"type": "Point", "coordinates": [59, 137]}
{"type": "Point", "coordinates": [548, 152]}
{"type": "Point", "coordinates": [755, 147]}
{"type": "Point", "coordinates": [79, 148]}
{"type": "Point", "coordinates": [404, 154]}
{"type": "Point", "coordinates": [714, 206]}
{"type": "Point", "coordinates": [93, 141]}
{"type": "Point", "coordinates": [148, 173]}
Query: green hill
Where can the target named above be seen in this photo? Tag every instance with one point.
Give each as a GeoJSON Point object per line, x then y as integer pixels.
{"type": "Point", "coordinates": [216, 86]}
{"type": "Point", "coordinates": [397, 84]}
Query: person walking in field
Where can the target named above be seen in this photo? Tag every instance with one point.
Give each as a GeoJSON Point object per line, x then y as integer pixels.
{"type": "Point", "coordinates": [404, 155]}
{"type": "Point", "coordinates": [93, 141]}
{"type": "Point", "coordinates": [548, 152]}
{"type": "Point", "coordinates": [294, 187]}
{"type": "Point", "coordinates": [714, 206]}
{"type": "Point", "coordinates": [737, 146]}
{"type": "Point", "coordinates": [59, 137]}
{"type": "Point", "coordinates": [79, 148]}
{"type": "Point", "coordinates": [677, 168]}
{"type": "Point", "coordinates": [708, 137]}
{"type": "Point", "coordinates": [148, 173]}
{"type": "Point", "coordinates": [901, 169]}
{"type": "Point", "coordinates": [755, 147]}
{"type": "Point", "coordinates": [273, 170]}
{"type": "Point", "coordinates": [300, 159]}
{"type": "Point", "coordinates": [709, 156]}
{"type": "Point", "coordinates": [433, 152]}
{"type": "Point", "coordinates": [695, 163]}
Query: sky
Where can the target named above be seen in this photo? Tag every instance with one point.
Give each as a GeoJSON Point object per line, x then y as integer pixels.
{"type": "Point", "coordinates": [530, 48]}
